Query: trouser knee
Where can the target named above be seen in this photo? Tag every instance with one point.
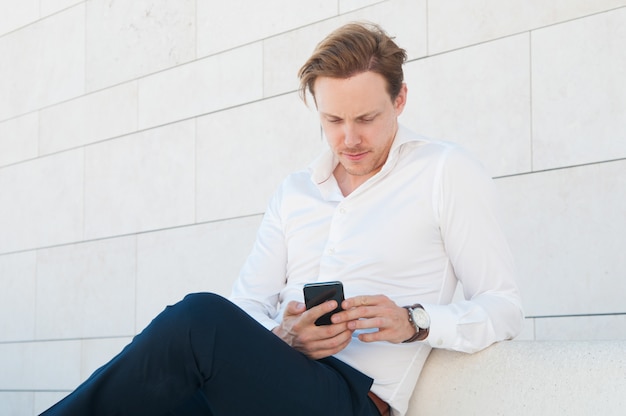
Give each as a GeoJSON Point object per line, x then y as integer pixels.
{"type": "Point", "coordinates": [202, 306]}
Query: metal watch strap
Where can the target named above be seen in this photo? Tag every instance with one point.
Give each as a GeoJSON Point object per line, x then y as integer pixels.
{"type": "Point", "coordinates": [420, 333]}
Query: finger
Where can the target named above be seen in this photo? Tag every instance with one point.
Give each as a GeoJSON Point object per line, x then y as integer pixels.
{"type": "Point", "coordinates": [364, 300]}
{"type": "Point", "coordinates": [295, 308]}
{"type": "Point", "coordinates": [321, 309]}
{"type": "Point", "coordinates": [328, 346]}
{"type": "Point", "coordinates": [356, 313]}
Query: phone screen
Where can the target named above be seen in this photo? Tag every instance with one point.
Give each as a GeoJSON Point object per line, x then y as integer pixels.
{"type": "Point", "coordinates": [318, 293]}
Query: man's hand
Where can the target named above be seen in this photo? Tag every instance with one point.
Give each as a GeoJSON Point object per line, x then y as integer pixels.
{"type": "Point", "coordinates": [298, 329]}
{"type": "Point", "coordinates": [366, 312]}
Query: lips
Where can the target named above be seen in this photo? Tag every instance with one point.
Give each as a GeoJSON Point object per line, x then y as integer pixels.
{"type": "Point", "coordinates": [355, 157]}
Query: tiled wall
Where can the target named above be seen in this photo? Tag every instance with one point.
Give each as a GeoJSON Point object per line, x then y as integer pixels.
{"type": "Point", "coordinates": [140, 141]}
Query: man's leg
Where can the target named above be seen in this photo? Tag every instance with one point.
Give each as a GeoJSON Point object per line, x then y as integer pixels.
{"type": "Point", "coordinates": [206, 343]}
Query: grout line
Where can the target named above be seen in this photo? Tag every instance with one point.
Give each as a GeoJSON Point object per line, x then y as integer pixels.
{"type": "Point", "coordinates": [156, 230]}
{"type": "Point", "coordinates": [580, 165]}
{"type": "Point", "coordinates": [508, 35]}
{"type": "Point", "coordinates": [33, 341]}
{"type": "Point", "coordinates": [530, 103]}
{"type": "Point", "coordinates": [577, 315]}
{"type": "Point", "coordinates": [144, 129]}
{"type": "Point", "coordinates": [428, 55]}
{"type": "Point", "coordinates": [427, 28]}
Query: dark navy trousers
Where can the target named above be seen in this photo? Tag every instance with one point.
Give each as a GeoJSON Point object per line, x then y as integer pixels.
{"type": "Point", "coordinates": [206, 356]}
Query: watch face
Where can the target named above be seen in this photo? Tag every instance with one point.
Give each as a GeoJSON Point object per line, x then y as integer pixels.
{"type": "Point", "coordinates": [421, 318]}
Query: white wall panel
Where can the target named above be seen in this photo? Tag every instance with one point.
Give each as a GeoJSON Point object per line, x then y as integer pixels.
{"type": "Point", "coordinates": [579, 91]}
{"type": "Point", "coordinates": [17, 13]}
{"type": "Point", "coordinates": [45, 399]}
{"type": "Point", "coordinates": [89, 119]}
{"type": "Point", "coordinates": [581, 328]}
{"type": "Point", "coordinates": [128, 39]}
{"type": "Point", "coordinates": [455, 24]}
{"type": "Point", "coordinates": [202, 258]}
{"type": "Point", "coordinates": [17, 403]}
{"type": "Point", "coordinates": [225, 25]}
{"type": "Point", "coordinates": [221, 81]}
{"type": "Point", "coordinates": [478, 97]}
{"type": "Point", "coordinates": [346, 6]}
{"type": "Point", "coordinates": [47, 63]}
{"type": "Point", "coordinates": [41, 202]}
{"type": "Point", "coordinates": [567, 231]}
{"type": "Point", "coordinates": [251, 154]}
{"type": "Point", "coordinates": [140, 182]}
{"type": "Point", "coordinates": [19, 139]}
{"type": "Point", "coordinates": [97, 352]}
{"type": "Point", "coordinates": [40, 365]}
{"type": "Point", "coordinates": [86, 290]}
{"type": "Point", "coordinates": [49, 7]}
{"type": "Point", "coordinates": [17, 296]}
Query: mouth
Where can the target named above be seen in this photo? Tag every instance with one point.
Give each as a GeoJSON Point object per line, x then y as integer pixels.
{"type": "Point", "coordinates": [355, 157]}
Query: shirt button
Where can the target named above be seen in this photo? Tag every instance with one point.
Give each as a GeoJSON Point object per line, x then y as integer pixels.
{"type": "Point", "coordinates": [331, 251]}
{"type": "Point", "coordinates": [342, 210]}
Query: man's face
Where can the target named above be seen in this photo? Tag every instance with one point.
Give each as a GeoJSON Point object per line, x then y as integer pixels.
{"type": "Point", "coordinates": [359, 120]}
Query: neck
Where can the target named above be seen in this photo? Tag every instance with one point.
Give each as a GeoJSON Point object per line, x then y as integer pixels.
{"type": "Point", "coordinates": [348, 183]}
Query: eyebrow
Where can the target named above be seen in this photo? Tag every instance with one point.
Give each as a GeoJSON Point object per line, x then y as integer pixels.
{"type": "Point", "coordinates": [372, 113]}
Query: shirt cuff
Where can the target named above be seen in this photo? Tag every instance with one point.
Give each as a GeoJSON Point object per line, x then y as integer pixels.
{"type": "Point", "coordinates": [442, 332]}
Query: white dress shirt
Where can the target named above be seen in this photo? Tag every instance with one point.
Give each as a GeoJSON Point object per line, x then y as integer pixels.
{"type": "Point", "coordinates": [423, 223]}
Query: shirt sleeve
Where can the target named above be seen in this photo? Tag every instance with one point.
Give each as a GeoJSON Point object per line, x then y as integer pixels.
{"type": "Point", "coordinates": [263, 275]}
{"type": "Point", "coordinates": [466, 204]}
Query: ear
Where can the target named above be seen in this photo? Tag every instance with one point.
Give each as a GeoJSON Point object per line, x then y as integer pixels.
{"type": "Point", "coordinates": [400, 100]}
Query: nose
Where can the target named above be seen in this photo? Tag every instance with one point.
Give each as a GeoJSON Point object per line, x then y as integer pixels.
{"type": "Point", "coordinates": [351, 136]}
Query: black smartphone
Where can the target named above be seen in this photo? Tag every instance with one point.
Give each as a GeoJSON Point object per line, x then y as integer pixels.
{"type": "Point", "coordinates": [317, 293]}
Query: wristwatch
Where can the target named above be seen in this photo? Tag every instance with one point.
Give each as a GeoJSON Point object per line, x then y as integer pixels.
{"type": "Point", "coordinates": [419, 318]}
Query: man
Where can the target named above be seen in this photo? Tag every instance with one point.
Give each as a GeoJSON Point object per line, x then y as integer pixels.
{"type": "Point", "coordinates": [397, 218]}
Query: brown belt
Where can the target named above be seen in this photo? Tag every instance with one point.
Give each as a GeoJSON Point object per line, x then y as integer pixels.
{"type": "Point", "coordinates": [381, 405]}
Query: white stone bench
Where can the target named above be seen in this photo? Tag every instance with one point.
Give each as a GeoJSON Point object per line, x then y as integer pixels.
{"type": "Point", "coordinates": [525, 378]}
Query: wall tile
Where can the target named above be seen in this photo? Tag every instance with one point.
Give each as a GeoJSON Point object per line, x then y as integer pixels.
{"type": "Point", "coordinates": [454, 24]}
{"type": "Point", "coordinates": [49, 7]}
{"type": "Point", "coordinates": [140, 182]}
{"type": "Point", "coordinates": [567, 231]}
{"type": "Point", "coordinates": [609, 327]}
{"type": "Point", "coordinates": [86, 290]}
{"type": "Point", "coordinates": [17, 297]}
{"type": "Point", "coordinates": [47, 63]}
{"type": "Point", "coordinates": [225, 80]}
{"type": "Point", "coordinates": [88, 119]}
{"type": "Point", "coordinates": [45, 399]}
{"type": "Point", "coordinates": [220, 23]}
{"type": "Point", "coordinates": [346, 6]}
{"type": "Point", "coordinates": [528, 331]}
{"type": "Point", "coordinates": [41, 202]}
{"type": "Point", "coordinates": [478, 97]}
{"type": "Point", "coordinates": [202, 258]}
{"type": "Point", "coordinates": [579, 91]}
{"type": "Point", "coordinates": [17, 13]}
{"type": "Point", "coordinates": [17, 403]}
{"type": "Point", "coordinates": [278, 136]}
{"type": "Point", "coordinates": [97, 352]}
{"type": "Point", "coordinates": [31, 366]}
{"type": "Point", "coordinates": [285, 54]}
{"type": "Point", "coordinates": [128, 39]}
{"type": "Point", "coordinates": [18, 139]}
